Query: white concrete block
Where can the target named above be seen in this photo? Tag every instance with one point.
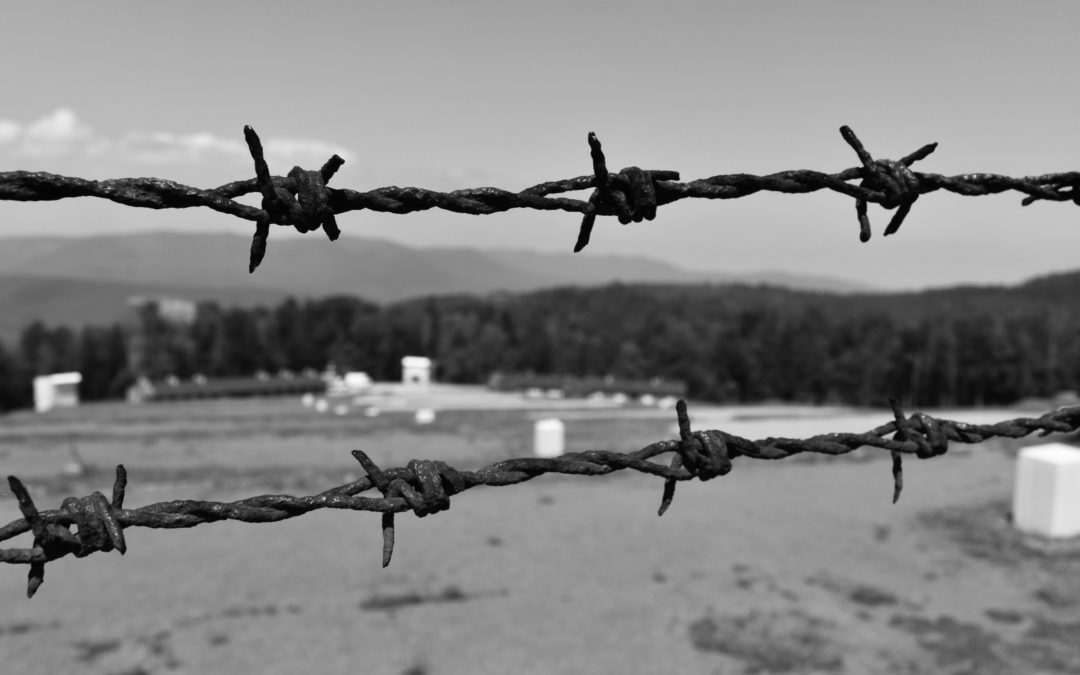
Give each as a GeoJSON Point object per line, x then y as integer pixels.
{"type": "Point", "coordinates": [549, 437]}
{"type": "Point", "coordinates": [74, 468]}
{"type": "Point", "coordinates": [1046, 499]}
{"type": "Point", "coordinates": [425, 416]}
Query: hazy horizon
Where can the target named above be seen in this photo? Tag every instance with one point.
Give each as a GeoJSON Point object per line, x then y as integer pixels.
{"type": "Point", "coordinates": [482, 94]}
{"type": "Point", "coordinates": [762, 275]}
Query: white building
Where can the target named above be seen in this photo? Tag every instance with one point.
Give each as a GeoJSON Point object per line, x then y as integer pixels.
{"type": "Point", "coordinates": [59, 390]}
{"type": "Point", "coordinates": [416, 370]}
{"type": "Point", "coordinates": [176, 310]}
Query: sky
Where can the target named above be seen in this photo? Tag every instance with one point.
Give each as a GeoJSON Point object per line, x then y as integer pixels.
{"type": "Point", "coordinates": [470, 94]}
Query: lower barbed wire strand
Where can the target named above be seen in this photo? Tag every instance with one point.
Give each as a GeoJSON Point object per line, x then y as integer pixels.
{"type": "Point", "coordinates": [273, 508]}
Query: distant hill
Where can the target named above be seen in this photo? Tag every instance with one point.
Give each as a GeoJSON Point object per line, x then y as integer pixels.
{"type": "Point", "coordinates": [77, 302]}
{"type": "Point", "coordinates": [1064, 286]}
{"type": "Point", "coordinates": [1057, 293]}
{"type": "Point", "coordinates": [75, 281]}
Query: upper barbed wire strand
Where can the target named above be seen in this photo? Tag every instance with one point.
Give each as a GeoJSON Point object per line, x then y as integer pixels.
{"type": "Point", "coordinates": [425, 486]}
{"type": "Point", "coordinates": [302, 199]}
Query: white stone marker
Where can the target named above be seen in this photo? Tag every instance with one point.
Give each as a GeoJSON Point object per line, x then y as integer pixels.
{"type": "Point", "coordinates": [74, 468]}
{"type": "Point", "coordinates": [321, 405]}
{"type": "Point", "coordinates": [1046, 500]}
{"type": "Point", "coordinates": [548, 438]}
{"type": "Point", "coordinates": [425, 416]}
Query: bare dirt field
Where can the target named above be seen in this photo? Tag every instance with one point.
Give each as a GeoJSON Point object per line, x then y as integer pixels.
{"type": "Point", "coordinates": [799, 566]}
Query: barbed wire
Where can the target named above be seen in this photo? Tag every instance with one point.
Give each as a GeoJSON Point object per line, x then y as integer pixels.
{"type": "Point", "coordinates": [302, 199]}
{"type": "Point", "coordinates": [425, 486]}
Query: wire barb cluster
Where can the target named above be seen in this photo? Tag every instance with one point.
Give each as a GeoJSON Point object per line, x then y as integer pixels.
{"type": "Point", "coordinates": [97, 520]}
{"type": "Point", "coordinates": [425, 487]}
{"type": "Point", "coordinates": [302, 199]}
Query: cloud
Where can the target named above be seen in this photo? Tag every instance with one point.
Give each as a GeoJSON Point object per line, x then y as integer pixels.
{"type": "Point", "coordinates": [58, 133]}
{"type": "Point", "coordinates": [9, 131]}
{"type": "Point", "coordinates": [294, 149]}
{"type": "Point", "coordinates": [62, 134]}
{"type": "Point", "coordinates": [59, 126]}
{"type": "Point", "coordinates": [163, 147]}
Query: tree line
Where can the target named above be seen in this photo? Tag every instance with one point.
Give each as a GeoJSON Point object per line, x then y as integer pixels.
{"type": "Point", "coordinates": [728, 343]}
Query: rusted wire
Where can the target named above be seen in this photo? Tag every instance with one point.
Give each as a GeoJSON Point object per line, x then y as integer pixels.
{"type": "Point", "coordinates": [425, 486]}
{"type": "Point", "coordinates": [303, 200]}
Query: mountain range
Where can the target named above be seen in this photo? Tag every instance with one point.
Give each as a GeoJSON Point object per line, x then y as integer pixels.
{"type": "Point", "coordinates": [76, 281]}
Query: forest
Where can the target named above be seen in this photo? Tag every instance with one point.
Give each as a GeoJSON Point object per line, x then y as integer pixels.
{"type": "Point", "coordinates": [966, 346]}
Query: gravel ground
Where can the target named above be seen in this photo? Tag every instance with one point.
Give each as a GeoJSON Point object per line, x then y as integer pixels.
{"type": "Point", "coordinates": [800, 566]}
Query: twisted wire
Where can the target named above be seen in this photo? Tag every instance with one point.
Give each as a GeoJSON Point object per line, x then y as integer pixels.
{"type": "Point", "coordinates": [302, 199]}
{"type": "Point", "coordinates": [425, 486]}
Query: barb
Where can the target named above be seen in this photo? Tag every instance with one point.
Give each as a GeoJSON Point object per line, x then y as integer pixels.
{"type": "Point", "coordinates": [302, 199]}
{"type": "Point", "coordinates": [425, 487]}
